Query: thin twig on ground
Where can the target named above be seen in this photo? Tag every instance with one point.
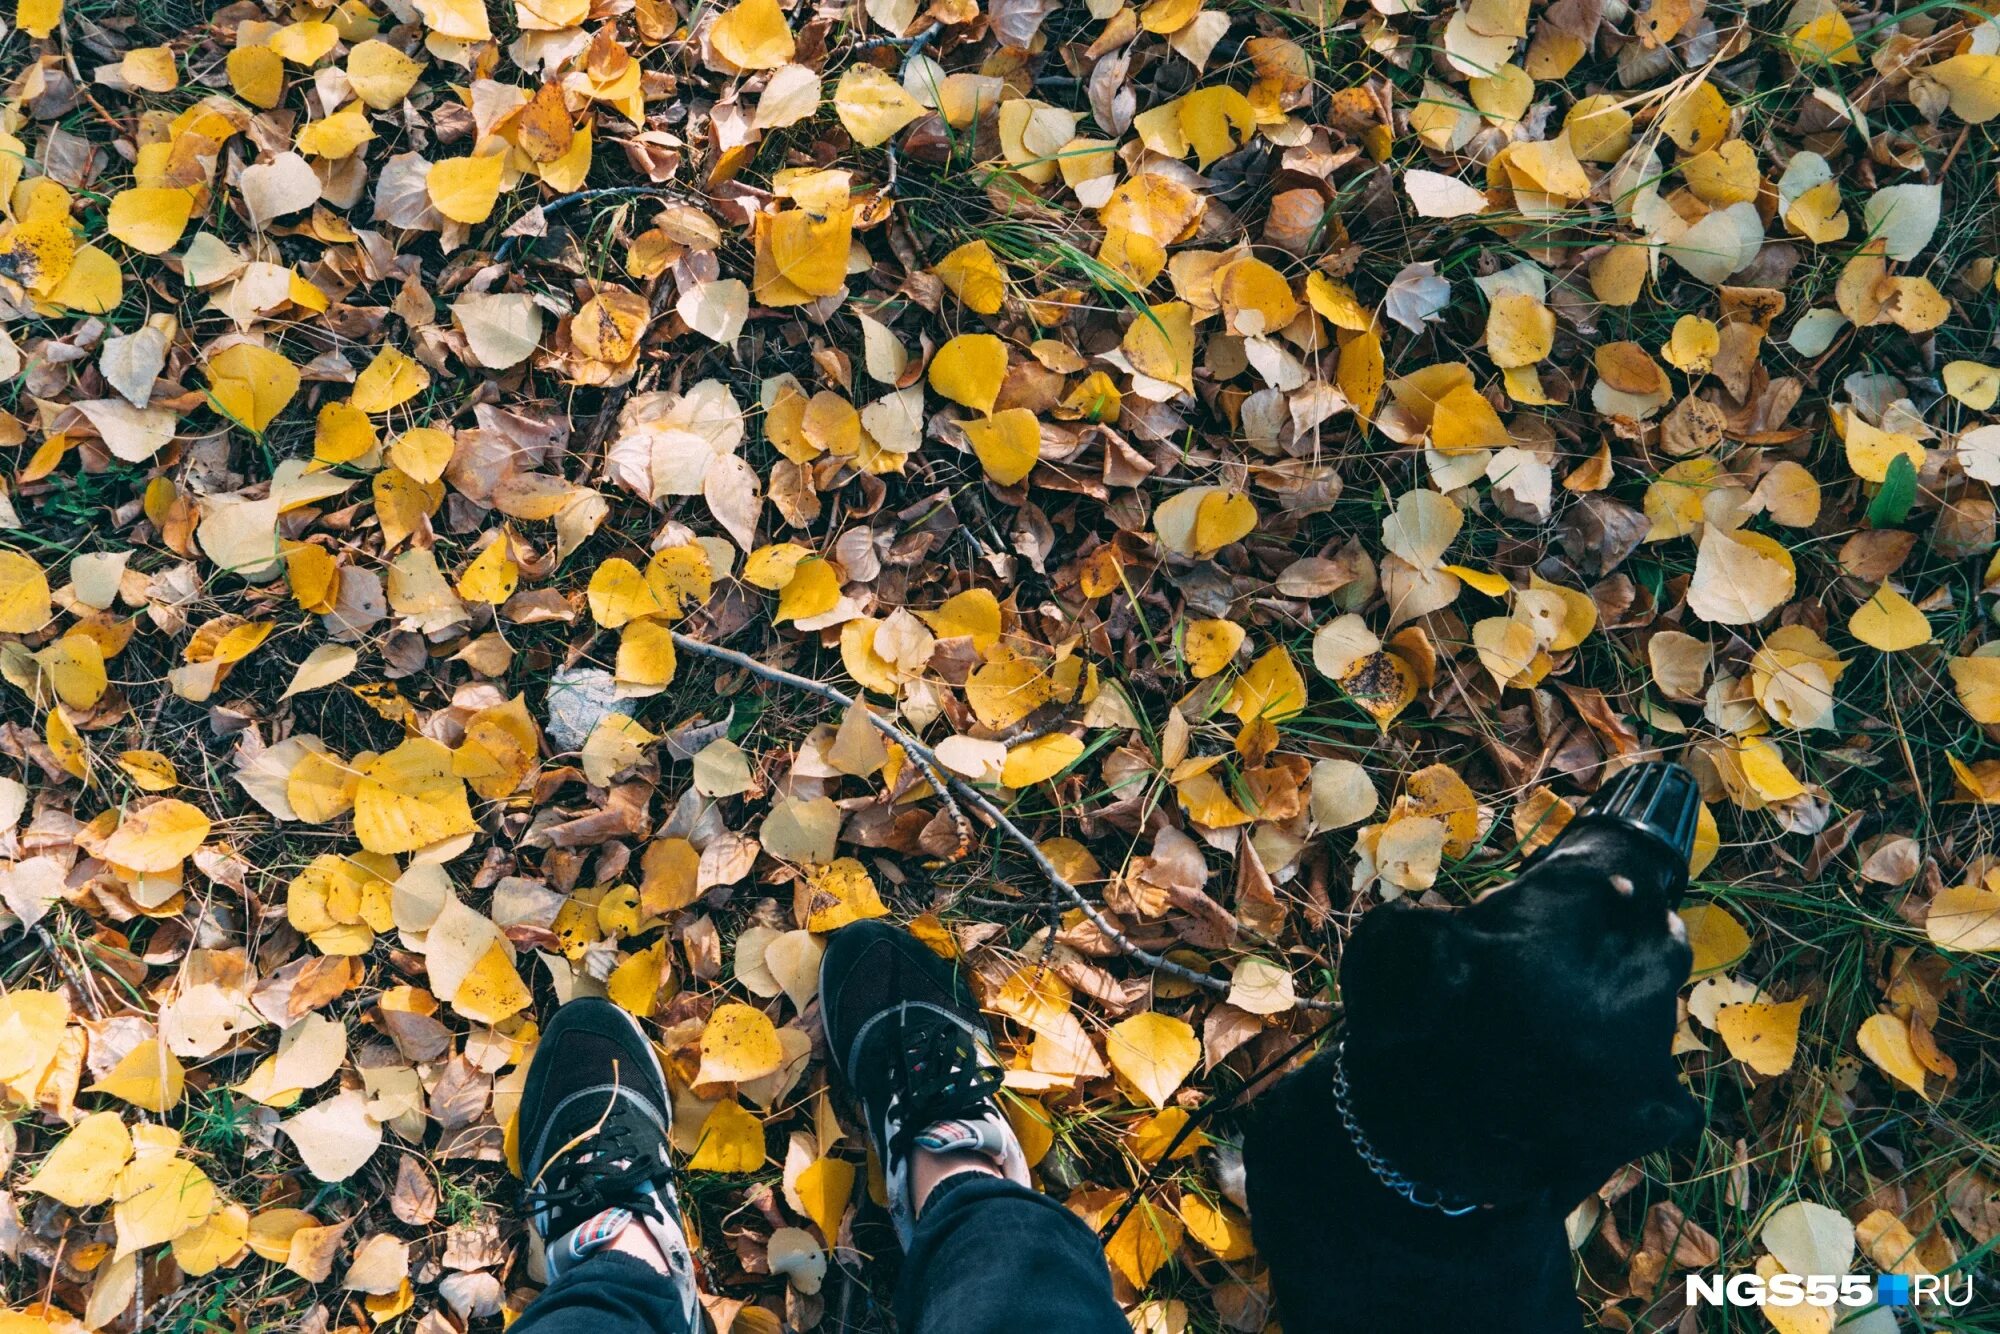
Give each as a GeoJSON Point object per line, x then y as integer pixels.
{"type": "Point", "coordinates": [912, 45]}
{"type": "Point", "coordinates": [960, 825]}
{"type": "Point", "coordinates": [85, 989]}
{"type": "Point", "coordinates": [979, 801]}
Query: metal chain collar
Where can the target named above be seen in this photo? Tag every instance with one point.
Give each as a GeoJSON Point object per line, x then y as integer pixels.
{"type": "Point", "coordinates": [1448, 1203]}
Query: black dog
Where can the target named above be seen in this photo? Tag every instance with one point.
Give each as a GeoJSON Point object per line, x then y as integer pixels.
{"type": "Point", "coordinates": [1497, 1065]}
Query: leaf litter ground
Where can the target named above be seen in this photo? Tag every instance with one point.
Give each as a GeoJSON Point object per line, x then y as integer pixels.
{"type": "Point", "coordinates": [509, 501]}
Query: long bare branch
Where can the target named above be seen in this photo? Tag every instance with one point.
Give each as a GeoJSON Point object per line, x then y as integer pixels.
{"type": "Point", "coordinates": [980, 802]}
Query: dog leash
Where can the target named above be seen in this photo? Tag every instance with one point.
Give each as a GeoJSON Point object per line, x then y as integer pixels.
{"type": "Point", "coordinates": [1420, 1194]}
{"type": "Point", "coordinates": [1424, 1196]}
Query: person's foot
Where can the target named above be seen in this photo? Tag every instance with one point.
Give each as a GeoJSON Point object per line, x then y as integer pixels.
{"type": "Point", "coordinates": [593, 1143]}
{"type": "Point", "coordinates": [907, 1039]}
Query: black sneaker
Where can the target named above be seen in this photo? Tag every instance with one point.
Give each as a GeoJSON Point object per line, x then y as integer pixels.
{"type": "Point", "coordinates": [907, 1038]}
{"type": "Point", "coordinates": [593, 1141]}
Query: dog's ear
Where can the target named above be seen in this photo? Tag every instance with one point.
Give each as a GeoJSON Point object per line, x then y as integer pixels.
{"type": "Point", "coordinates": [1401, 962]}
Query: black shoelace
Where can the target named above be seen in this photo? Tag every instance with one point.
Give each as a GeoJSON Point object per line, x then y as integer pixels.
{"type": "Point", "coordinates": [942, 1078]}
{"type": "Point", "coordinates": [619, 1164]}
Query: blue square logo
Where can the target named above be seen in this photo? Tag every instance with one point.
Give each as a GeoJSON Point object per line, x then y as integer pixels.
{"type": "Point", "coordinates": [1892, 1289]}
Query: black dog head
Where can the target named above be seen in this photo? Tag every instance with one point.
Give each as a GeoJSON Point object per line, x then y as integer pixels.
{"type": "Point", "coordinates": [1523, 1044]}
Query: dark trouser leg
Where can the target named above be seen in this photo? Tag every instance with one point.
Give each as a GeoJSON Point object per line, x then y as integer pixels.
{"type": "Point", "coordinates": [993, 1257]}
{"type": "Point", "coordinates": [609, 1293]}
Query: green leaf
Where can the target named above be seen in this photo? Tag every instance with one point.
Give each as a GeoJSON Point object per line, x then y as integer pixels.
{"type": "Point", "coordinates": [1899, 491]}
